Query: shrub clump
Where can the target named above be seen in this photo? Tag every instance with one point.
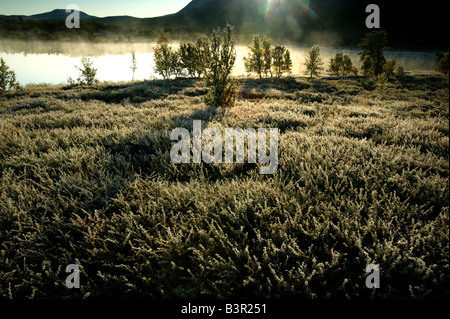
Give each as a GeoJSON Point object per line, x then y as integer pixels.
{"type": "Point", "coordinates": [167, 60]}
{"type": "Point", "coordinates": [341, 65]}
{"type": "Point", "coordinates": [7, 77]}
{"type": "Point", "coordinates": [87, 73]}
{"type": "Point", "coordinates": [218, 77]}
{"type": "Point", "coordinates": [442, 63]}
{"type": "Point", "coordinates": [372, 57]}
{"type": "Point", "coordinates": [263, 59]}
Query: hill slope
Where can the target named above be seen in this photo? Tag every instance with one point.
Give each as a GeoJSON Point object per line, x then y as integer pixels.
{"type": "Point", "coordinates": [333, 21]}
{"type": "Point", "coordinates": [326, 22]}
{"type": "Point", "coordinates": [60, 14]}
{"type": "Point", "coordinates": [57, 14]}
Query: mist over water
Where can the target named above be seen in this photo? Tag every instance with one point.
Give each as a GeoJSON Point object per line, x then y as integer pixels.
{"type": "Point", "coordinates": [54, 62]}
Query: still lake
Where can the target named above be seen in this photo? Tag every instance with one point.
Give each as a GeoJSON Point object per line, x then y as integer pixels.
{"type": "Point", "coordinates": [54, 62]}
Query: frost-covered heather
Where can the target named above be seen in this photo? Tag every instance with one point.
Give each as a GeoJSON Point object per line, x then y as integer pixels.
{"type": "Point", "coordinates": [363, 178]}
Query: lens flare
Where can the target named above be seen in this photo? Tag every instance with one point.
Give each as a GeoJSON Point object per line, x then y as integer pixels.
{"type": "Point", "coordinates": [289, 7]}
{"type": "Point", "coordinates": [292, 16]}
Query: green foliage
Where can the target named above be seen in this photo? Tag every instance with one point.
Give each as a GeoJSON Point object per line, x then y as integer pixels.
{"type": "Point", "coordinates": [282, 62]}
{"type": "Point", "coordinates": [255, 62]}
{"type": "Point", "coordinates": [195, 57]}
{"type": "Point", "coordinates": [218, 77]}
{"type": "Point", "coordinates": [88, 72]}
{"type": "Point", "coordinates": [176, 66]}
{"type": "Point", "coordinates": [7, 77]}
{"type": "Point", "coordinates": [167, 60]}
{"type": "Point", "coordinates": [372, 57]}
{"type": "Point", "coordinates": [86, 178]}
{"type": "Point", "coordinates": [267, 56]}
{"type": "Point", "coordinates": [399, 71]}
{"type": "Point", "coordinates": [71, 82]}
{"type": "Point", "coordinates": [204, 55]}
{"type": "Point", "coordinates": [336, 64]}
{"type": "Point", "coordinates": [442, 63]}
{"type": "Point", "coordinates": [382, 80]}
{"type": "Point", "coordinates": [389, 67]}
{"type": "Point", "coordinates": [341, 65]}
{"type": "Point", "coordinates": [367, 67]}
{"type": "Point", "coordinates": [263, 59]}
{"type": "Point", "coordinates": [313, 62]}
{"type": "Point", "coordinates": [188, 58]}
{"type": "Point", "coordinates": [287, 62]}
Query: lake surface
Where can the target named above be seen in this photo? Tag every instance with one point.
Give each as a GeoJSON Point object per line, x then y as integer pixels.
{"type": "Point", "coordinates": [54, 62]}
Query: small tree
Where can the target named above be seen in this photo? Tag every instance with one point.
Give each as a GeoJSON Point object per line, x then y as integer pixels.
{"type": "Point", "coordinates": [133, 64]}
{"type": "Point", "coordinates": [176, 67]}
{"type": "Point", "coordinates": [218, 77]}
{"type": "Point", "coordinates": [88, 72]}
{"type": "Point", "coordinates": [336, 64]}
{"type": "Point", "coordinates": [389, 67]}
{"type": "Point", "coordinates": [166, 59]}
{"type": "Point", "coordinates": [287, 67]}
{"type": "Point", "coordinates": [254, 63]}
{"type": "Point", "coordinates": [313, 62]}
{"type": "Point", "coordinates": [341, 65]}
{"type": "Point", "coordinates": [267, 56]}
{"type": "Point", "coordinates": [372, 57]}
{"type": "Point", "coordinates": [194, 57]}
{"type": "Point", "coordinates": [7, 77]}
{"type": "Point", "coordinates": [367, 67]}
{"type": "Point", "coordinates": [278, 62]}
{"type": "Point", "coordinates": [204, 55]}
{"type": "Point", "coordinates": [442, 63]}
{"type": "Point", "coordinates": [399, 71]}
{"type": "Point", "coordinates": [348, 68]}
{"type": "Point", "coordinates": [382, 80]}
{"type": "Point", "coordinates": [188, 58]}
{"type": "Point", "coordinates": [282, 62]}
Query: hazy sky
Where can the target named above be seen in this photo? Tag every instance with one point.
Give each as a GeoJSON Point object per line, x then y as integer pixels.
{"type": "Point", "coordinates": [99, 8]}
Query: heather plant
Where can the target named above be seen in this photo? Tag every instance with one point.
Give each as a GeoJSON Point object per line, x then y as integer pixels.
{"type": "Point", "coordinates": [86, 178]}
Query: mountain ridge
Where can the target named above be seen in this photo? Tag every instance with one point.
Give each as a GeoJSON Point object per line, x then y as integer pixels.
{"type": "Point", "coordinates": [336, 22]}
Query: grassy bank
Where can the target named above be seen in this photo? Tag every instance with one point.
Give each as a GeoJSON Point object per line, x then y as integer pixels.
{"type": "Point", "coordinates": [86, 178]}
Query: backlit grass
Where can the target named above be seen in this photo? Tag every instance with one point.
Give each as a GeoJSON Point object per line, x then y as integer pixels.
{"type": "Point", "coordinates": [86, 178]}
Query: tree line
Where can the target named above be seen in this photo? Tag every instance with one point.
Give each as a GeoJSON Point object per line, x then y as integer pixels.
{"type": "Point", "coordinates": [266, 60]}
{"type": "Point", "coordinates": [213, 57]}
{"type": "Point", "coordinates": [54, 30]}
